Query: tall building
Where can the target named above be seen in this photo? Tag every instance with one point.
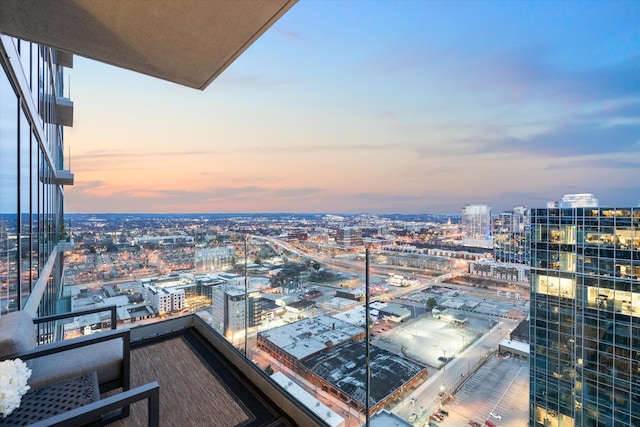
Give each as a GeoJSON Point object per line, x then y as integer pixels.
{"type": "Point", "coordinates": [476, 226]}
{"type": "Point", "coordinates": [34, 109]}
{"type": "Point", "coordinates": [233, 309]}
{"type": "Point", "coordinates": [511, 236]}
{"type": "Point", "coordinates": [214, 259]}
{"type": "Point", "coordinates": [585, 317]}
{"type": "Point", "coordinates": [33, 114]}
{"type": "Point", "coordinates": [349, 237]}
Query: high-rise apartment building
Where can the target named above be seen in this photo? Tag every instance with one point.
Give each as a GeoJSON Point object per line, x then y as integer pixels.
{"type": "Point", "coordinates": [33, 113]}
{"type": "Point", "coordinates": [233, 309]}
{"type": "Point", "coordinates": [585, 317]}
{"type": "Point", "coordinates": [511, 236]}
{"type": "Point", "coordinates": [476, 226]}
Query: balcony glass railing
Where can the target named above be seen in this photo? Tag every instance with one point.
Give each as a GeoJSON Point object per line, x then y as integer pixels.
{"type": "Point", "coordinates": [244, 286]}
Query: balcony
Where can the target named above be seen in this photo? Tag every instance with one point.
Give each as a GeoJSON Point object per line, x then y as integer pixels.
{"type": "Point", "coordinates": [64, 177]}
{"type": "Point", "coordinates": [65, 245]}
{"type": "Point", "coordinates": [204, 380]}
{"type": "Point", "coordinates": [63, 107]}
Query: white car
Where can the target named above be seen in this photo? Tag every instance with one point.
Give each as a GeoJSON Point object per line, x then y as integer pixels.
{"type": "Point", "coordinates": [413, 399]}
{"type": "Point", "coordinates": [496, 416]}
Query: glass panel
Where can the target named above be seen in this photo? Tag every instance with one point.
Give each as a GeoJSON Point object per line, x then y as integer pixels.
{"type": "Point", "coordinates": [25, 207]}
{"type": "Point", "coordinates": [8, 195]}
{"type": "Point", "coordinates": [34, 205]}
{"type": "Point", "coordinates": [25, 59]}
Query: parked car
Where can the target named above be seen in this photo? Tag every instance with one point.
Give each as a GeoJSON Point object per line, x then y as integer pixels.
{"type": "Point", "coordinates": [444, 412]}
{"type": "Point", "coordinates": [490, 423]}
{"type": "Point", "coordinates": [433, 424]}
{"type": "Point", "coordinates": [473, 423]}
{"type": "Point", "coordinates": [496, 416]}
{"type": "Point", "coordinates": [412, 418]}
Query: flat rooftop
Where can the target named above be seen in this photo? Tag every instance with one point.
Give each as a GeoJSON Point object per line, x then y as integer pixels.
{"type": "Point", "coordinates": [344, 368]}
{"type": "Point", "coordinates": [309, 336]}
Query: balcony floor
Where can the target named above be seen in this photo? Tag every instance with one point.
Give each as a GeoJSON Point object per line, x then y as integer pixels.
{"type": "Point", "coordinates": [198, 386]}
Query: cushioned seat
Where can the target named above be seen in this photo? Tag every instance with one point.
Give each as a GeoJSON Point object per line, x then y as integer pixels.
{"type": "Point", "coordinates": [17, 334]}
{"type": "Point", "coordinates": [103, 353]}
{"type": "Point", "coordinates": [104, 357]}
{"type": "Point", "coordinates": [106, 353]}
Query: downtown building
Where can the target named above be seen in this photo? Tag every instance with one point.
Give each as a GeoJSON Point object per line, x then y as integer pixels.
{"type": "Point", "coordinates": [585, 317]}
{"type": "Point", "coordinates": [511, 236]}
{"type": "Point", "coordinates": [476, 226]}
{"type": "Point", "coordinates": [349, 237]}
{"type": "Point", "coordinates": [235, 308]}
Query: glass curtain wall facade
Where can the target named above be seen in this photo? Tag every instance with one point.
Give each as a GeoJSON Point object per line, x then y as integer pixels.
{"type": "Point", "coordinates": [511, 236]}
{"type": "Point", "coordinates": [31, 151]}
{"type": "Point", "coordinates": [585, 317]}
{"type": "Point", "coordinates": [476, 226]}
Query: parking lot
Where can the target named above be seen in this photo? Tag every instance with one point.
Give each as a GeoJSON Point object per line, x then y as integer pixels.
{"type": "Point", "coordinates": [500, 386]}
{"type": "Point", "coordinates": [430, 341]}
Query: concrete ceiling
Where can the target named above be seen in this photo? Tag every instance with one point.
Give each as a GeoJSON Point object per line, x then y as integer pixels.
{"type": "Point", "coordinates": [189, 42]}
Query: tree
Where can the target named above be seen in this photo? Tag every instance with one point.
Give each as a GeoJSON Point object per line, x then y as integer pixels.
{"type": "Point", "coordinates": [431, 303]}
{"type": "Point", "coordinates": [268, 370]}
{"type": "Point", "coordinates": [288, 276]}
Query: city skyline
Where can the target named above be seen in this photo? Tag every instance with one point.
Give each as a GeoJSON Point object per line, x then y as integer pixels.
{"type": "Point", "coordinates": [379, 107]}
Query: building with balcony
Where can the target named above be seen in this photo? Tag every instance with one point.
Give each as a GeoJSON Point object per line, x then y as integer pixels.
{"type": "Point", "coordinates": [585, 317]}
{"type": "Point", "coordinates": [164, 300]}
{"type": "Point", "coordinates": [33, 175]}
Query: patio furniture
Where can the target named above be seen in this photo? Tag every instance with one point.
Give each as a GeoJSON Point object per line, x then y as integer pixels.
{"type": "Point", "coordinates": [104, 357]}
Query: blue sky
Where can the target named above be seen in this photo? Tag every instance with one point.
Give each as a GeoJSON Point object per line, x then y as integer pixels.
{"type": "Point", "coordinates": [380, 107]}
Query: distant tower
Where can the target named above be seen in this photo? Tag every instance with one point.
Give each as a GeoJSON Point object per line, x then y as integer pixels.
{"type": "Point", "coordinates": [511, 236]}
{"type": "Point", "coordinates": [349, 237]}
{"type": "Point", "coordinates": [476, 226]}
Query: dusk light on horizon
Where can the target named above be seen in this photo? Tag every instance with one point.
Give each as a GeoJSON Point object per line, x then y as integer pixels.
{"type": "Point", "coordinates": [377, 107]}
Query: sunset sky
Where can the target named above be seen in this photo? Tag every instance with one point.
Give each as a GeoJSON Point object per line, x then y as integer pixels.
{"type": "Point", "coordinates": [378, 107]}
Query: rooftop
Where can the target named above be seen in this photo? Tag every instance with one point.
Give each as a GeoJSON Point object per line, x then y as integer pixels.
{"type": "Point", "coordinates": [309, 336]}
{"type": "Point", "coordinates": [344, 367]}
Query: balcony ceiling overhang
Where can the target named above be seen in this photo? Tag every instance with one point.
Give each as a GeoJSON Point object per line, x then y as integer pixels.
{"type": "Point", "coordinates": [189, 42]}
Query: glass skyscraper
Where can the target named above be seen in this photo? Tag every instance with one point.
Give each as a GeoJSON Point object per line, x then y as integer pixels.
{"type": "Point", "coordinates": [585, 317]}
{"type": "Point", "coordinates": [511, 236]}
{"type": "Point", "coordinates": [33, 113]}
{"type": "Point", "coordinates": [476, 226]}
